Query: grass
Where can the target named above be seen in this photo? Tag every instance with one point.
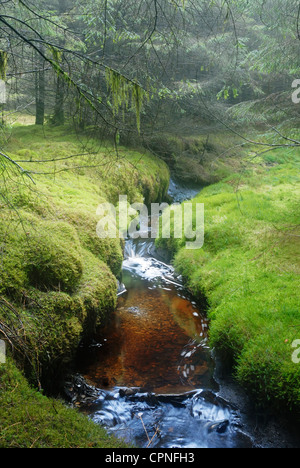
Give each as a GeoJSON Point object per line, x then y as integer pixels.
{"type": "Point", "coordinates": [249, 271]}
{"type": "Point", "coordinates": [58, 279]}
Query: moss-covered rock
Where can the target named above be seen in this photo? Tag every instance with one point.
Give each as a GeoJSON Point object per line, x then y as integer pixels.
{"type": "Point", "coordinates": [53, 256]}
{"type": "Point", "coordinates": [57, 276]}
{"type": "Point", "coordinates": [108, 250]}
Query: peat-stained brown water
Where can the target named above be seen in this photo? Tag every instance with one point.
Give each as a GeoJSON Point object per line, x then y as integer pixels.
{"type": "Point", "coordinates": [156, 338]}
{"type": "Point", "coordinates": [153, 367]}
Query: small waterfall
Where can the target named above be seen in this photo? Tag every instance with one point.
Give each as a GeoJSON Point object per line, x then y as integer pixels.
{"type": "Point", "coordinates": [131, 249]}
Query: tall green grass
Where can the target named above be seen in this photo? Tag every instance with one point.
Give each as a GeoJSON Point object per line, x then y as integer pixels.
{"type": "Point", "coordinates": [249, 271]}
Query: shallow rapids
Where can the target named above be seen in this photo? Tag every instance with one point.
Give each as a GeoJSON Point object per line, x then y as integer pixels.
{"type": "Point", "coordinates": [193, 420]}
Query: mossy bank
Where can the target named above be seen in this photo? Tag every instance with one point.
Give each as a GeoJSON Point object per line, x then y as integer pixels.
{"type": "Point", "coordinates": [249, 271]}
{"type": "Point", "coordinates": [58, 279]}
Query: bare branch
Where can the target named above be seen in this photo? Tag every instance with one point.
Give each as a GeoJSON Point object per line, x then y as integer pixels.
{"type": "Point", "coordinates": [14, 163]}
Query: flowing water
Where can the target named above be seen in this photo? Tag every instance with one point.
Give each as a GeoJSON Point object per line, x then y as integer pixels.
{"type": "Point", "coordinates": [152, 364]}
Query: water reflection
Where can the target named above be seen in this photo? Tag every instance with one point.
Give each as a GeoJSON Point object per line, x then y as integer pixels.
{"type": "Point", "coordinates": [162, 421]}
{"type": "Point", "coordinates": [156, 339]}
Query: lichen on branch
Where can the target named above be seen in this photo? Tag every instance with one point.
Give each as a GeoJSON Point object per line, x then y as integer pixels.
{"type": "Point", "coordinates": [124, 93]}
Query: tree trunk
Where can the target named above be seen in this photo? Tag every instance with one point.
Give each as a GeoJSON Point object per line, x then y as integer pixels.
{"type": "Point", "coordinates": [40, 91]}
{"type": "Point", "coordinates": [59, 114]}
{"type": "Point", "coordinates": [40, 97]}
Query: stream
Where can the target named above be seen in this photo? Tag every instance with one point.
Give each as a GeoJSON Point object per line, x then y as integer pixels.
{"type": "Point", "coordinates": [151, 364]}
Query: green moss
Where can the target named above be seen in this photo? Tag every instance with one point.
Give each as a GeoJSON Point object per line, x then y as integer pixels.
{"type": "Point", "coordinates": [12, 272]}
{"type": "Point", "coordinates": [30, 420]}
{"type": "Point", "coordinates": [97, 289]}
{"type": "Point", "coordinates": [249, 272]}
{"type": "Point", "coordinates": [53, 256]}
{"type": "Point", "coordinates": [57, 277]}
{"type": "Point", "coordinates": [108, 250]}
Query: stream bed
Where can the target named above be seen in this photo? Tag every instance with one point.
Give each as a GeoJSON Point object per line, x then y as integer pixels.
{"type": "Point", "coordinates": [151, 366]}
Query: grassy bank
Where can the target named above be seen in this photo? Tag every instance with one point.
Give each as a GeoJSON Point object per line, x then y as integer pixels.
{"type": "Point", "coordinates": [202, 158]}
{"type": "Point", "coordinates": [249, 271]}
{"type": "Point", "coordinates": [58, 280]}
{"type": "Point", "coordinates": [31, 420]}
